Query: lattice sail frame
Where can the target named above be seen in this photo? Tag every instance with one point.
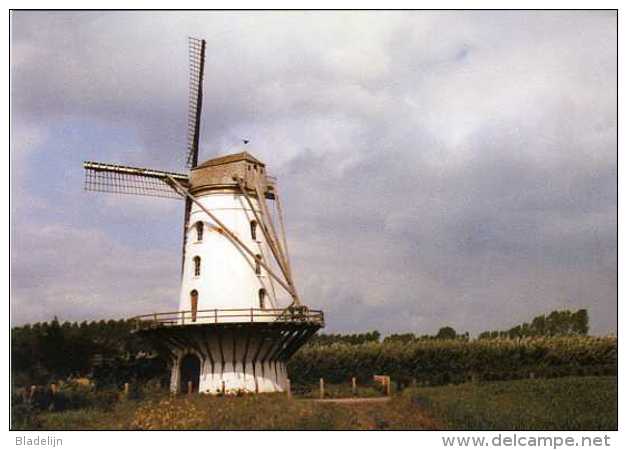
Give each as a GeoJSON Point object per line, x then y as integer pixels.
{"type": "Point", "coordinates": [194, 109]}
{"type": "Point", "coordinates": [116, 179]}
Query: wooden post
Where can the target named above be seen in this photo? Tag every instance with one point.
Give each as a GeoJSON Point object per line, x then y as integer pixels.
{"type": "Point", "coordinates": [190, 388]}
{"type": "Point", "coordinates": [223, 387]}
{"type": "Point", "coordinates": [321, 387]}
{"type": "Point", "coordinates": [288, 388]}
{"type": "Point", "coordinates": [126, 389]}
{"type": "Point", "coordinates": [387, 386]}
{"type": "Point", "coordinates": [354, 386]}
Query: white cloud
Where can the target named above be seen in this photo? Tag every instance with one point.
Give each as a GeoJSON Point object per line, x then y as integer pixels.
{"type": "Point", "coordinates": [436, 167]}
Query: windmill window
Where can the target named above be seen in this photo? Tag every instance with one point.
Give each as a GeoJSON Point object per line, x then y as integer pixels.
{"type": "Point", "coordinates": [196, 266]}
{"type": "Point", "coordinates": [253, 230]}
{"type": "Point", "coordinates": [258, 264]}
{"type": "Point", "coordinates": [199, 231]}
{"type": "Point", "coordinates": [262, 298]}
{"type": "Point", "coordinates": [193, 297]}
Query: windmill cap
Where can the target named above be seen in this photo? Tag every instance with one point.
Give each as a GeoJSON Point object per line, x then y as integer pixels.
{"type": "Point", "coordinates": [235, 157]}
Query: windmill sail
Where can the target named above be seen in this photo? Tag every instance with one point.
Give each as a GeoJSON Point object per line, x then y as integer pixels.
{"type": "Point", "coordinates": [196, 72]}
{"type": "Point", "coordinates": [113, 178]}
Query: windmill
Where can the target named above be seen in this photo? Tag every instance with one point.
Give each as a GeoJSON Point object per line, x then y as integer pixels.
{"type": "Point", "coordinates": [230, 331]}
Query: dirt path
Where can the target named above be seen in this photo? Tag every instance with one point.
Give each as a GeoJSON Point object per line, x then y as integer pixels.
{"type": "Point", "coordinates": [350, 400]}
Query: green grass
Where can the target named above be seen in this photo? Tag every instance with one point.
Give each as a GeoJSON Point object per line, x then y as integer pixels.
{"type": "Point", "coordinates": [570, 403]}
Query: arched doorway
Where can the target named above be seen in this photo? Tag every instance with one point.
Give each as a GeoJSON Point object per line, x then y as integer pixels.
{"type": "Point", "coordinates": [190, 371]}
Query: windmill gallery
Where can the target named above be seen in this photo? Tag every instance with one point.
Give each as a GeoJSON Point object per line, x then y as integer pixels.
{"type": "Point", "coordinates": [230, 332]}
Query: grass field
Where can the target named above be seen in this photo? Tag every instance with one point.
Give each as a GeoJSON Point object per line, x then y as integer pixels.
{"type": "Point", "coordinates": [572, 403]}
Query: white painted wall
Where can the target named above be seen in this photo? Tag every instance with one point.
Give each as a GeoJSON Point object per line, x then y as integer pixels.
{"type": "Point", "coordinates": [242, 374]}
{"type": "Point", "coordinates": [227, 278]}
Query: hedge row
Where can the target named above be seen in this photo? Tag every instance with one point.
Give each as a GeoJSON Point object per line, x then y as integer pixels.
{"type": "Point", "coordinates": [451, 361]}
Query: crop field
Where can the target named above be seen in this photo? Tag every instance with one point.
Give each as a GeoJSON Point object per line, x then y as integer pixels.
{"type": "Point", "coordinates": [438, 362]}
{"type": "Point", "coordinates": [569, 403]}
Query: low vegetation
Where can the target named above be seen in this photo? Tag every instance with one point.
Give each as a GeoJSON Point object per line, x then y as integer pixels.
{"type": "Point", "coordinates": [261, 412]}
{"type": "Point", "coordinates": [570, 403]}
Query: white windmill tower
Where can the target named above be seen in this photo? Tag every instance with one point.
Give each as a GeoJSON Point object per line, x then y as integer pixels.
{"type": "Point", "coordinates": [230, 330]}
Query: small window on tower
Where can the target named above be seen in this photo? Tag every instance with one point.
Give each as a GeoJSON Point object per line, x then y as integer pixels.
{"type": "Point", "coordinates": [193, 296]}
{"type": "Point", "coordinates": [253, 230]}
{"type": "Point", "coordinates": [199, 231]}
{"type": "Point", "coordinates": [262, 298]}
{"type": "Point", "coordinates": [258, 264]}
{"type": "Point", "coordinates": [196, 266]}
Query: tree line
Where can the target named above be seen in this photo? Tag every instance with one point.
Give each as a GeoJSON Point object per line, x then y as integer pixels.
{"type": "Point", "coordinates": [557, 323]}
{"type": "Point", "coordinates": [109, 352]}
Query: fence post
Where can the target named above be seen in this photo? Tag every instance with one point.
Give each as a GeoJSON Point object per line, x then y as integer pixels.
{"type": "Point", "coordinates": [126, 389]}
{"type": "Point", "coordinates": [354, 386]}
{"type": "Point", "coordinates": [215, 315]}
{"type": "Point", "coordinates": [223, 388]}
{"type": "Point", "coordinates": [387, 386]}
{"type": "Point", "coordinates": [288, 387]}
{"type": "Point", "coordinates": [321, 387]}
{"type": "Point", "coordinates": [189, 388]}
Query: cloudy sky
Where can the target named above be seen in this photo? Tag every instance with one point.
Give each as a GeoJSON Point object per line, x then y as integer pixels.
{"type": "Point", "coordinates": [437, 168]}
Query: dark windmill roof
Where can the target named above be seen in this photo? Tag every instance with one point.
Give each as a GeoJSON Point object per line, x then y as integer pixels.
{"type": "Point", "coordinates": [243, 156]}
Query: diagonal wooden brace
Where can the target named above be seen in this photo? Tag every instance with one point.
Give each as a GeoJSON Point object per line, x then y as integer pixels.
{"type": "Point", "coordinates": [283, 237]}
{"type": "Point", "coordinates": [276, 251]}
{"type": "Point", "coordinates": [265, 213]}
